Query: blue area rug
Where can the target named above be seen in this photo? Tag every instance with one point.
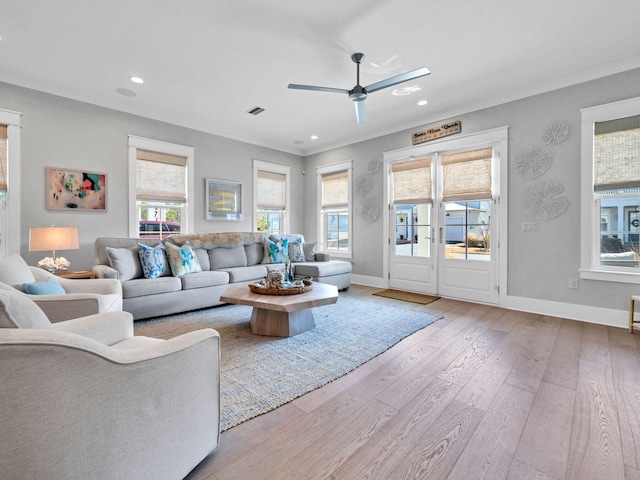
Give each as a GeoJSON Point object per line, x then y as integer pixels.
{"type": "Point", "coordinates": [259, 373]}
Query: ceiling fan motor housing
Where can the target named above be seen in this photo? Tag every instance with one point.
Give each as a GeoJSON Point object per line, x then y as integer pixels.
{"type": "Point", "coordinates": [358, 94]}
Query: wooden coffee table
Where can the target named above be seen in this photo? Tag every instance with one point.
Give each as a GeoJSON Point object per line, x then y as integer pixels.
{"type": "Point", "coordinates": [281, 315]}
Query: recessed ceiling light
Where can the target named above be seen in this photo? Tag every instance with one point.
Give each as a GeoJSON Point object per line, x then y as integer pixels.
{"type": "Point", "coordinates": [422, 102]}
{"type": "Point", "coordinates": [126, 92]}
{"type": "Point", "coordinates": [314, 137]}
{"type": "Point", "coordinates": [135, 79]}
{"type": "Point", "coordinates": [399, 92]}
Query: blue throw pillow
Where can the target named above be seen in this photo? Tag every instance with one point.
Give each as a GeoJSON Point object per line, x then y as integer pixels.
{"type": "Point", "coordinates": [182, 259]}
{"type": "Point", "coordinates": [275, 252]}
{"type": "Point", "coordinates": [50, 286]}
{"type": "Point", "coordinates": [153, 260]}
{"type": "Point", "coordinates": [296, 250]}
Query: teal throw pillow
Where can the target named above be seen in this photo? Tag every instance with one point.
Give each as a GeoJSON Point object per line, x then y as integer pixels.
{"type": "Point", "coordinates": [50, 286]}
{"type": "Point", "coordinates": [182, 260]}
{"type": "Point", "coordinates": [275, 252]}
{"type": "Point", "coordinates": [153, 260]}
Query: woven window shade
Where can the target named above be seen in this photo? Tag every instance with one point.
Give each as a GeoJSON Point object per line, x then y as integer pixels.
{"type": "Point", "coordinates": [270, 191]}
{"type": "Point", "coordinates": [3, 158]}
{"type": "Point", "coordinates": [616, 154]}
{"type": "Point", "coordinates": [467, 175]}
{"type": "Point", "coordinates": [160, 176]}
{"type": "Point", "coordinates": [412, 182]}
{"type": "Point", "coordinates": [335, 189]}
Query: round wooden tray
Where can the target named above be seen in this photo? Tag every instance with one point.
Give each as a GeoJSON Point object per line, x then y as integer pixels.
{"type": "Point", "coordinates": [259, 287]}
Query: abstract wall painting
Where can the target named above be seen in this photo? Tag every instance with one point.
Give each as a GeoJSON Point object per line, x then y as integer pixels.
{"type": "Point", "coordinates": [73, 190]}
{"type": "Point", "coordinates": [224, 200]}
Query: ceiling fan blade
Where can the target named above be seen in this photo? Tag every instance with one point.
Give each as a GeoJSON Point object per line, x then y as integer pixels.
{"type": "Point", "coordinates": [361, 114]}
{"type": "Point", "coordinates": [317, 89]}
{"type": "Point", "coordinates": [403, 77]}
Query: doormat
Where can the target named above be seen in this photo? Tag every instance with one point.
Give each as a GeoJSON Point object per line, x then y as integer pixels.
{"type": "Point", "coordinates": [420, 298]}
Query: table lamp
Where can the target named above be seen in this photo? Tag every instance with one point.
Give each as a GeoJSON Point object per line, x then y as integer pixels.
{"type": "Point", "coordinates": [53, 238]}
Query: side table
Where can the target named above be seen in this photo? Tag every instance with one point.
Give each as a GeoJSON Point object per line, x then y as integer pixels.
{"type": "Point", "coordinates": [77, 274]}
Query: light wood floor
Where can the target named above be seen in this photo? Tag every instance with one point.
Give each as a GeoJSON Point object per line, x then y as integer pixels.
{"type": "Point", "coordinates": [484, 393]}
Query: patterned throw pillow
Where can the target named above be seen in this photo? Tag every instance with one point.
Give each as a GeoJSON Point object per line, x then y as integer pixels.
{"type": "Point", "coordinates": [182, 259]}
{"type": "Point", "coordinates": [153, 260]}
{"type": "Point", "coordinates": [275, 252]}
{"type": "Point", "coordinates": [296, 250]}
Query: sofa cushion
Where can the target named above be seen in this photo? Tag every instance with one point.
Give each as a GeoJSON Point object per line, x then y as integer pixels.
{"type": "Point", "coordinates": [204, 279]}
{"type": "Point", "coordinates": [14, 271]}
{"type": "Point", "coordinates": [254, 253]}
{"type": "Point", "coordinates": [202, 254]}
{"type": "Point", "coordinates": [322, 269]}
{"type": "Point", "coordinates": [246, 274]}
{"type": "Point", "coordinates": [275, 252]}
{"type": "Point", "coordinates": [140, 287]}
{"type": "Point", "coordinates": [182, 259]}
{"type": "Point", "coordinates": [153, 261]}
{"type": "Point", "coordinates": [309, 251]}
{"type": "Point", "coordinates": [49, 286]}
{"type": "Point", "coordinates": [228, 257]}
{"type": "Point", "coordinates": [19, 311]}
{"type": "Point", "coordinates": [126, 261]}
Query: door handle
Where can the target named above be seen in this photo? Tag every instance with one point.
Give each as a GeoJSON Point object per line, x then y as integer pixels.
{"type": "Point", "coordinates": [440, 235]}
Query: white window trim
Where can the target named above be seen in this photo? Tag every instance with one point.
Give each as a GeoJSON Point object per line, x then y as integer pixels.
{"type": "Point", "coordinates": [273, 168]}
{"type": "Point", "coordinates": [11, 228]}
{"type": "Point", "coordinates": [589, 235]}
{"type": "Point", "coordinates": [320, 171]}
{"type": "Point", "coordinates": [188, 221]}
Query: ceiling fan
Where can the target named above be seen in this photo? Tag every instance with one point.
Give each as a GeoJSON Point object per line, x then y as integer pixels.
{"type": "Point", "coordinates": [359, 93]}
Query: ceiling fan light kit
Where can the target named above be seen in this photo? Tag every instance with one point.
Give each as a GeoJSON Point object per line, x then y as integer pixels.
{"type": "Point", "coordinates": [358, 94]}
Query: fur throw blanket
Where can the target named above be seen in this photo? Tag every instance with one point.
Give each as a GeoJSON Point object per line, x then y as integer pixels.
{"type": "Point", "coordinates": [214, 240]}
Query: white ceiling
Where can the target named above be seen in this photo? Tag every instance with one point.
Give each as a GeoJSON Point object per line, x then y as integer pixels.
{"type": "Point", "coordinates": [206, 63]}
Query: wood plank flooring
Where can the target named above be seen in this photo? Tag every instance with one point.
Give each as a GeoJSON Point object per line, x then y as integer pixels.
{"type": "Point", "coordinates": [484, 393]}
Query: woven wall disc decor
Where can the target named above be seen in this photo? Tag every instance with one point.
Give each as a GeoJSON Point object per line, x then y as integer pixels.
{"type": "Point", "coordinates": [533, 162]}
{"type": "Point", "coordinates": [541, 201]}
{"type": "Point", "coordinates": [369, 210]}
{"type": "Point", "coordinates": [555, 133]}
{"type": "Point", "coordinates": [363, 185]}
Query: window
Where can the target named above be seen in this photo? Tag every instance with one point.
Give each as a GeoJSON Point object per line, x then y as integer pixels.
{"type": "Point", "coordinates": [610, 247]}
{"type": "Point", "coordinates": [335, 225]}
{"type": "Point", "coordinates": [9, 176]}
{"type": "Point", "coordinates": [271, 197]}
{"type": "Point", "coordinates": [163, 175]}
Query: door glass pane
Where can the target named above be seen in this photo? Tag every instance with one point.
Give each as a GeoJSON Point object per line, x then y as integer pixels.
{"type": "Point", "coordinates": [620, 232]}
{"type": "Point", "coordinates": [412, 230]}
{"type": "Point", "coordinates": [467, 230]}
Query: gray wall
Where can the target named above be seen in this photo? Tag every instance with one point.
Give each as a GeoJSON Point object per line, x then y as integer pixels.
{"type": "Point", "coordinates": [58, 132]}
{"type": "Point", "coordinates": [539, 263]}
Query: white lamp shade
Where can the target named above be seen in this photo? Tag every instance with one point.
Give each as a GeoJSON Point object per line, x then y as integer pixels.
{"type": "Point", "coordinates": [53, 238]}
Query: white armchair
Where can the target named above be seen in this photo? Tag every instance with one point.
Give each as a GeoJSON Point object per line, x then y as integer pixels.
{"type": "Point", "coordinates": [85, 398]}
{"type": "Point", "coordinates": [81, 298]}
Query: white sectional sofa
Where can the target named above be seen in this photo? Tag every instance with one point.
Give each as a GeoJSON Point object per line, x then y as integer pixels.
{"type": "Point", "coordinates": [222, 258]}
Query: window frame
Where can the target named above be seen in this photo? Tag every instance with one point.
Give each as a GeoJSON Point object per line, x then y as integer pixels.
{"type": "Point", "coordinates": [285, 216]}
{"type": "Point", "coordinates": [321, 225]}
{"type": "Point", "coordinates": [590, 204]}
{"type": "Point", "coordinates": [188, 213]}
{"type": "Point", "coordinates": [11, 220]}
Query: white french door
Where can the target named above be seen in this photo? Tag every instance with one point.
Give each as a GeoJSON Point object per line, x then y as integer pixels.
{"type": "Point", "coordinates": [443, 234]}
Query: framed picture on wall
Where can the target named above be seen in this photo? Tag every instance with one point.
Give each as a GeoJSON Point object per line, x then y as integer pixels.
{"type": "Point", "coordinates": [73, 190]}
{"type": "Point", "coordinates": [224, 200]}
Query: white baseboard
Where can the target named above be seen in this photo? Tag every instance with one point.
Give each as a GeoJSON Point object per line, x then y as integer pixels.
{"type": "Point", "coordinates": [572, 311]}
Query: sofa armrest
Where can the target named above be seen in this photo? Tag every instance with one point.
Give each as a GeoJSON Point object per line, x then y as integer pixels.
{"type": "Point", "coordinates": [74, 305]}
{"type": "Point", "coordinates": [105, 271]}
{"type": "Point", "coordinates": [107, 328]}
{"type": "Point", "coordinates": [322, 257]}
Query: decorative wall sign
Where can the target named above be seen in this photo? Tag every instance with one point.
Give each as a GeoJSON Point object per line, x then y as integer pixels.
{"type": "Point", "coordinates": [73, 190]}
{"type": "Point", "coordinates": [369, 210]}
{"type": "Point", "coordinates": [432, 133]}
{"type": "Point", "coordinates": [533, 162]}
{"type": "Point", "coordinates": [542, 202]}
{"type": "Point", "coordinates": [363, 185]}
{"type": "Point", "coordinates": [555, 133]}
{"type": "Point", "coordinates": [224, 200]}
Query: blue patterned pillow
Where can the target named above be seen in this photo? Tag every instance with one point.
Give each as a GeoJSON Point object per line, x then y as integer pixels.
{"type": "Point", "coordinates": [182, 259]}
{"type": "Point", "coordinates": [296, 250]}
{"type": "Point", "coordinates": [153, 260]}
{"type": "Point", "coordinates": [275, 252]}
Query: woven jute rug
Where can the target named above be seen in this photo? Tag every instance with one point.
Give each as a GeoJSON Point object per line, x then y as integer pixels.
{"type": "Point", "coordinates": [420, 298]}
{"type": "Point", "coordinates": [260, 373]}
